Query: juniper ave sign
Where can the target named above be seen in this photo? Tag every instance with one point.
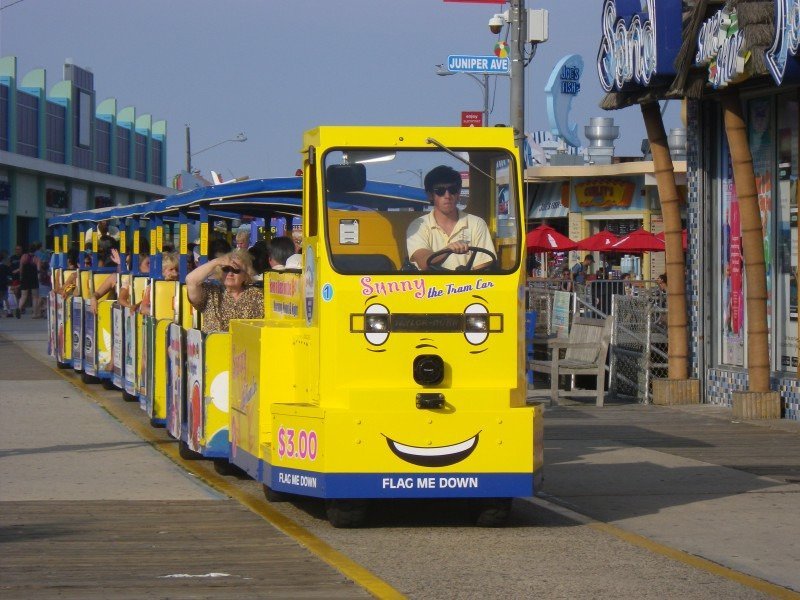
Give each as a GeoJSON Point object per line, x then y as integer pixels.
{"type": "Point", "coordinates": [460, 63]}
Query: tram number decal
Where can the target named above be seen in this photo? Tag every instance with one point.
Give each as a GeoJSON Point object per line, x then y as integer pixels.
{"type": "Point", "coordinates": [293, 443]}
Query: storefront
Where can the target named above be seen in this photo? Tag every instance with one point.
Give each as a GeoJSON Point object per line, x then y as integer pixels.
{"type": "Point", "coordinates": [771, 106]}
{"type": "Point", "coordinates": [740, 58]}
{"type": "Point", "coordinates": [580, 201]}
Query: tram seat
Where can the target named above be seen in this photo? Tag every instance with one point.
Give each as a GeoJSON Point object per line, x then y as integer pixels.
{"type": "Point", "coordinates": [364, 263]}
{"type": "Point", "coordinates": [586, 352]}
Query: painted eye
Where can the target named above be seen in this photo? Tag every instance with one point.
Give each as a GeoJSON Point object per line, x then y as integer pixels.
{"type": "Point", "coordinates": [476, 324]}
{"type": "Point", "coordinates": [376, 324]}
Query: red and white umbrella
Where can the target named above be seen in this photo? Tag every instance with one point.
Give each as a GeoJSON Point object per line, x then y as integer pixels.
{"type": "Point", "coordinates": [638, 241]}
{"type": "Point", "coordinates": [599, 242]}
{"type": "Point", "coordinates": [546, 239]}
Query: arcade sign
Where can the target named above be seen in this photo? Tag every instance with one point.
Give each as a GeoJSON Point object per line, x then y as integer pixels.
{"type": "Point", "coordinates": [638, 46]}
{"type": "Point", "coordinates": [562, 86]}
{"type": "Point", "coordinates": [605, 193]}
{"type": "Point", "coordinates": [786, 42]}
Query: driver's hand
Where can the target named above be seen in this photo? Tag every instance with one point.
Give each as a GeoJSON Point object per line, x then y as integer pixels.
{"type": "Point", "coordinates": [459, 247]}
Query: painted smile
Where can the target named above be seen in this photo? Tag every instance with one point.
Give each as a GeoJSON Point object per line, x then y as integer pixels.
{"type": "Point", "coordinates": [439, 456]}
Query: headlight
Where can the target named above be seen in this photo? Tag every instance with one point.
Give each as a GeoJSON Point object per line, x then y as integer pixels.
{"type": "Point", "coordinates": [476, 324]}
{"type": "Point", "coordinates": [376, 324]}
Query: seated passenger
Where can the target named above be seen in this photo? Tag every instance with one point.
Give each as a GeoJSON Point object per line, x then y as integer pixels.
{"type": "Point", "coordinates": [169, 272]}
{"type": "Point", "coordinates": [295, 261]}
{"type": "Point", "coordinates": [125, 287]}
{"type": "Point", "coordinates": [68, 287]}
{"type": "Point", "coordinates": [236, 298]}
{"type": "Point", "coordinates": [280, 249]}
{"type": "Point", "coordinates": [259, 252]}
{"type": "Point", "coordinates": [447, 227]}
{"type": "Point", "coordinates": [108, 258]}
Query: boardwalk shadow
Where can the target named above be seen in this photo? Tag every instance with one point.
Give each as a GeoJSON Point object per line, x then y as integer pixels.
{"type": "Point", "coordinates": [98, 447]}
{"type": "Point", "coordinates": [639, 461]}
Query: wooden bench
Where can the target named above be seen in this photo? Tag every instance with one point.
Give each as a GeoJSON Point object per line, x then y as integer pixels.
{"type": "Point", "coordinates": [585, 354]}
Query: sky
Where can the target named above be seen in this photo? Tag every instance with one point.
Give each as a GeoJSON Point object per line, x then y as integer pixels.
{"type": "Point", "coordinates": [273, 69]}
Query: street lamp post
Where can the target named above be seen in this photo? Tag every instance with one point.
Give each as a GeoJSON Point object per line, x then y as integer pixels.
{"type": "Point", "coordinates": [442, 71]}
{"type": "Point", "coordinates": [417, 172]}
{"type": "Point", "coordinates": [240, 137]}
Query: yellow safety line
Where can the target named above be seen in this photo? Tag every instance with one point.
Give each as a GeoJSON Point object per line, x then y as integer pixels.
{"type": "Point", "coordinates": [349, 568]}
{"type": "Point", "coordinates": [774, 590]}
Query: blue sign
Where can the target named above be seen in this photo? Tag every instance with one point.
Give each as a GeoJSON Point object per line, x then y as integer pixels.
{"type": "Point", "coordinates": [638, 44]}
{"type": "Point", "coordinates": [786, 41]}
{"type": "Point", "coordinates": [562, 86]}
{"type": "Point", "coordinates": [458, 63]}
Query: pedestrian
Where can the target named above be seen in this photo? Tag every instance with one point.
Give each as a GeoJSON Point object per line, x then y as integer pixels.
{"type": "Point", "coordinates": [581, 269]}
{"type": "Point", "coordinates": [566, 279]}
{"type": "Point", "coordinates": [5, 280]}
{"type": "Point", "coordinates": [29, 282]}
{"type": "Point", "coordinates": [14, 261]}
{"type": "Point", "coordinates": [45, 282]}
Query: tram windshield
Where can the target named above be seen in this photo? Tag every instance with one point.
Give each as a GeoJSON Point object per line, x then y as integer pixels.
{"type": "Point", "coordinates": [439, 210]}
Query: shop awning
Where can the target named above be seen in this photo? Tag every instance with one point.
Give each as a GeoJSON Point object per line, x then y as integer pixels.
{"type": "Point", "coordinates": [546, 202]}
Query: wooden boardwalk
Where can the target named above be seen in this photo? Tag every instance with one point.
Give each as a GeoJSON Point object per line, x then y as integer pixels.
{"type": "Point", "coordinates": [89, 510]}
{"type": "Point", "coordinates": [200, 549]}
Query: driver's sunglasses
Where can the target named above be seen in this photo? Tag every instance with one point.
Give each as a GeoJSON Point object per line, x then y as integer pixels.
{"type": "Point", "coordinates": [233, 270]}
{"type": "Point", "coordinates": [454, 190]}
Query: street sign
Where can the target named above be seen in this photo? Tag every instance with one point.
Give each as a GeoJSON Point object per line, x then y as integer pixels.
{"type": "Point", "coordinates": [471, 118]}
{"type": "Point", "coordinates": [459, 63]}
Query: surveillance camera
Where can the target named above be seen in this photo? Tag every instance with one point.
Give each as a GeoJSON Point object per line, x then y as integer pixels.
{"type": "Point", "coordinates": [496, 24]}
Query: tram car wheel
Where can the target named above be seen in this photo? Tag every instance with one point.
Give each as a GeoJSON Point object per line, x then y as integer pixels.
{"type": "Point", "coordinates": [186, 453]}
{"type": "Point", "coordinates": [63, 365]}
{"type": "Point", "coordinates": [108, 384]}
{"type": "Point", "coordinates": [346, 514]}
{"type": "Point", "coordinates": [273, 496]}
{"type": "Point", "coordinates": [223, 467]}
{"type": "Point", "coordinates": [129, 397]}
{"type": "Point", "coordinates": [492, 512]}
{"type": "Point", "coordinates": [86, 378]}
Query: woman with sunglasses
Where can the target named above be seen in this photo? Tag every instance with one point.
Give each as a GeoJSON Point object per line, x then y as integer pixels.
{"type": "Point", "coordinates": [236, 298]}
{"type": "Point", "coordinates": [448, 228]}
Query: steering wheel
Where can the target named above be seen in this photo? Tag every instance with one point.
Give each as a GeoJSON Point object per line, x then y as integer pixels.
{"type": "Point", "coordinates": [473, 252]}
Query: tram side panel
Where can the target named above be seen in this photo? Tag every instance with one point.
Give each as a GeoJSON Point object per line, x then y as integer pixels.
{"type": "Point", "coordinates": [273, 361]}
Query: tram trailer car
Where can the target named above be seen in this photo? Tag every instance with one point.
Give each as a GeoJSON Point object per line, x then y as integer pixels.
{"type": "Point", "coordinates": [371, 379]}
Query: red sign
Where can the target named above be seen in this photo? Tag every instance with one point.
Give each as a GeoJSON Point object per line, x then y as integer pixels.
{"type": "Point", "coordinates": [471, 118]}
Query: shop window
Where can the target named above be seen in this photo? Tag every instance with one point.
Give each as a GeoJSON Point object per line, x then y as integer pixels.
{"type": "Point", "coordinates": [773, 133]}
{"type": "Point", "coordinates": [729, 279]}
{"type": "Point", "coordinates": [787, 147]}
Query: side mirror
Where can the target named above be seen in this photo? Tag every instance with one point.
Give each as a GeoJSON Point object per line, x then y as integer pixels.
{"type": "Point", "coordinates": [346, 178]}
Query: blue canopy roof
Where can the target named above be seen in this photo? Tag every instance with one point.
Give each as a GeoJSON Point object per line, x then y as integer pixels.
{"type": "Point", "coordinates": [255, 195]}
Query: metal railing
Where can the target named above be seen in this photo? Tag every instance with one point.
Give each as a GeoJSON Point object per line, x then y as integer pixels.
{"type": "Point", "coordinates": [638, 351]}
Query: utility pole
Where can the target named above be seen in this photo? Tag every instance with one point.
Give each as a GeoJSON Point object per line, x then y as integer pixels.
{"type": "Point", "coordinates": [188, 150]}
{"type": "Point", "coordinates": [516, 19]}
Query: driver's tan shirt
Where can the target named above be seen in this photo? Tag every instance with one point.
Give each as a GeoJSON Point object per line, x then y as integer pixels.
{"type": "Point", "coordinates": [426, 233]}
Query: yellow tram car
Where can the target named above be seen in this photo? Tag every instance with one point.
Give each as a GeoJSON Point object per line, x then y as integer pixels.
{"type": "Point", "coordinates": [371, 377]}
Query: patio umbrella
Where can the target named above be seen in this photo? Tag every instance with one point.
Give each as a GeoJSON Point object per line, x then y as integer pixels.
{"type": "Point", "coordinates": [684, 239]}
{"type": "Point", "coordinates": [638, 241]}
{"type": "Point", "coordinates": [600, 241]}
{"type": "Point", "coordinates": [546, 239]}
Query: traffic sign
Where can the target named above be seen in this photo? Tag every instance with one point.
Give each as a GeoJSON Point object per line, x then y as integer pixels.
{"type": "Point", "coordinates": [460, 63]}
{"type": "Point", "coordinates": [471, 118]}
